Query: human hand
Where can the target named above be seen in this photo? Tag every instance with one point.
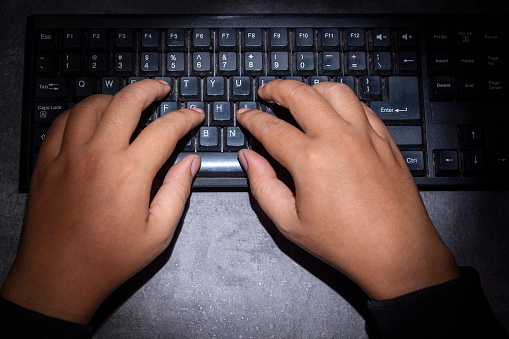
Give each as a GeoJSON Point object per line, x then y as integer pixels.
{"type": "Point", "coordinates": [89, 224]}
{"type": "Point", "coordinates": [356, 205]}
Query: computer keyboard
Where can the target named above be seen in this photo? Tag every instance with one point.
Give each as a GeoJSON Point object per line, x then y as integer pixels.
{"type": "Point", "coordinates": [439, 82]}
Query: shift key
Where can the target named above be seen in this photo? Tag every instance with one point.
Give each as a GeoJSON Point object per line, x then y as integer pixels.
{"type": "Point", "coordinates": [403, 103]}
{"type": "Point", "coordinates": [50, 87]}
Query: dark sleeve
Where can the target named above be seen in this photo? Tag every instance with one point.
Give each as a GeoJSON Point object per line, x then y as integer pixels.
{"type": "Point", "coordinates": [19, 322]}
{"type": "Point", "coordinates": [455, 309]}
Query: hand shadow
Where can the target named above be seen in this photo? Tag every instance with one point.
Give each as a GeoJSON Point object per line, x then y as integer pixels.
{"type": "Point", "coordinates": [337, 281]}
{"type": "Point", "coordinates": [131, 286]}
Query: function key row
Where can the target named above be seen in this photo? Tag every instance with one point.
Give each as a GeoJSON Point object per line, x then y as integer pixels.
{"type": "Point", "coordinates": [229, 38]}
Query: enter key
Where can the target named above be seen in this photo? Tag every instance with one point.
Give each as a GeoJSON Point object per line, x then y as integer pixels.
{"type": "Point", "coordinates": [403, 103]}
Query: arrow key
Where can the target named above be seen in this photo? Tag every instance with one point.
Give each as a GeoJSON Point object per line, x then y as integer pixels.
{"type": "Point", "coordinates": [446, 163]}
{"type": "Point", "coordinates": [470, 136]}
{"type": "Point", "coordinates": [472, 163]}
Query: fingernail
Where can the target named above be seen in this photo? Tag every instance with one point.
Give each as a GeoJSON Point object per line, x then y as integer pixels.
{"type": "Point", "coordinates": [242, 160]}
{"type": "Point", "coordinates": [195, 166]}
{"type": "Point", "coordinates": [198, 109]}
{"type": "Point", "coordinates": [163, 82]}
{"type": "Point", "coordinates": [242, 110]}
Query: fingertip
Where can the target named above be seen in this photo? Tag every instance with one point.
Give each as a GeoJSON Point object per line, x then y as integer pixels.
{"type": "Point", "coordinates": [242, 159]}
{"type": "Point", "coordinates": [195, 165]}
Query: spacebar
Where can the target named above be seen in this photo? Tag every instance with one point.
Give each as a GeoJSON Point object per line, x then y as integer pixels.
{"type": "Point", "coordinates": [216, 164]}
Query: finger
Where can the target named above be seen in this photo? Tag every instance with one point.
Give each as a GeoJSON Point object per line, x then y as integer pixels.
{"type": "Point", "coordinates": [274, 197]}
{"type": "Point", "coordinates": [343, 101]}
{"type": "Point", "coordinates": [308, 107]}
{"type": "Point", "coordinates": [123, 113]}
{"type": "Point", "coordinates": [83, 120]}
{"type": "Point", "coordinates": [52, 144]}
{"type": "Point", "coordinates": [169, 202]}
{"type": "Point", "coordinates": [380, 128]}
{"type": "Point", "coordinates": [281, 139]}
{"type": "Point", "coordinates": [157, 141]}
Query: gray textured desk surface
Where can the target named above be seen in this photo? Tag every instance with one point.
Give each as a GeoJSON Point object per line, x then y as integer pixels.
{"type": "Point", "coordinates": [229, 273]}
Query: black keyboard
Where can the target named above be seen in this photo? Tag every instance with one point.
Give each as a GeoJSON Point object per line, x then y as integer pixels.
{"type": "Point", "coordinates": [439, 83]}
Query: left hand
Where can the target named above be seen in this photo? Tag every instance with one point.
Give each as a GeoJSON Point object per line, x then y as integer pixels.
{"type": "Point", "coordinates": [90, 224]}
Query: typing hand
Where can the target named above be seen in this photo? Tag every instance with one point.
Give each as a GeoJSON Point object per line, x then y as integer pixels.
{"type": "Point", "coordinates": [89, 223]}
{"type": "Point", "coordinates": [355, 204]}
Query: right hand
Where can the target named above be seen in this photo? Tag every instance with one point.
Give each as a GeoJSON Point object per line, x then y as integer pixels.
{"type": "Point", "coordinates": [356, 205]}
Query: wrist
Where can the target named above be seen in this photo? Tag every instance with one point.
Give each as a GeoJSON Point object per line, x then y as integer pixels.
{"type": "Point", "coordinates": [58, 298]}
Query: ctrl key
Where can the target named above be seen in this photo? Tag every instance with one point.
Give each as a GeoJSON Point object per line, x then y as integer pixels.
{"type": "Point", "coordinates": [414, 161]}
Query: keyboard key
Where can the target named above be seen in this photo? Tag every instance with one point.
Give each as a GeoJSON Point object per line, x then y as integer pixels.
{"type": "Point", "coordinates": [472, 163]}
{"type": "Point", "coordinates": [175, 37]}
{"type": "Point", "coordinates": [381, 37]}
{"type": "Point", "coordinates": [45, 113]}
{"type": "Point", "coordinates": [227, 62]}
{"type": "Point", "coordinates": [84, 87]}
{"type": "Point", "coordinates": [347, 80]}
{"type": "Point", "coordinates": [407, 62]}
{"type": "Point", "coordinates": [149, 62]}
{"type": "Point", "coordinates": [201, 62]}
{"type": "Point", "coordinates": [235, 139]}
{"type": "Point", "coordinates": [46, 38]}
{"type": "Point", "coordinates": [371, 87]}
{"type": "Point", "coordinates": [222, 113]}
{"type": "Point", "coordinates": [253, 62]}
{"type": "Point", "coordinates": [305, 62]}
{"type": "Point", "coordinates": [414, 160]}
{"type": "Point", "coordinates": [331, 61]}
{"type": "Point", "coordinates": [189, 87]}
{"type": "Point", "coordinates": [227, 37]}
{"type": "Point", "coordinates": [382, 62]}
{"type": "Point", "coordinates": [72, 38]}
{"type": "Point", "coordinates": [253, 37]}
{"type": "Point", "coordinates": [406, 135]}
{"type": "Point", "coordinates": [167, 107]}
{"type": "Point", "coordinates": [406, 37]}
{"type": "Point", "coordinates": [215, 88]}
{"type": "Point", "coordinates": [98, 38]}
{"type": "Point", "coordinates": [201, 37]}
{"type": "Point", "coordinates": [278, 37]}
{"type": "Point", "coordinates": [241, 87]}
{"type": "Point", "coordinates": [110, 85]}
{"type": "Point", "coordinates": [50, 87]}
{"type": "Point", "coordinates": [355, 37]}
{"type": "Point", "coordinates": [356, 62]}
{"type": "Point", "coordinates": [446, 163]}
{"type": "Point", "coordinates": [150, 38]}
{"type": "Point", "coordinates": [97, 62]}
{"type": "Point", "coordinates": [329, 37]}
{"type": "Point", "coordinates": [403, 103]}
{"type": "Point", "coordinates": [441, 88]}
{"type": "Point", "coordinates": [279, 62]}
{"type": "Point", "coordinates": [46, 63]}
{"type": "Point", "coordinates": [176, 63]}
{"type": "Point", "coordinates": [123, 62]}
{"type": "Point", "coordinates": [39, 135]}
{"type": "Point", "coordinates": [209, 139]}
{"type": "Point", "coordinates": [470, 136]}
{"type": "Point", "coordinates": [304, 37]}
{"type": "Point", "coordinates": [124, 38]}
{"type": "Point", "coordinates": [313, 80]}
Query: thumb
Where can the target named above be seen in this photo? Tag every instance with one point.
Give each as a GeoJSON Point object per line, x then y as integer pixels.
{"type": "Point", "coordinates": [168, 204]}
{"type": "Point", "coordinates": [274, 197]}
